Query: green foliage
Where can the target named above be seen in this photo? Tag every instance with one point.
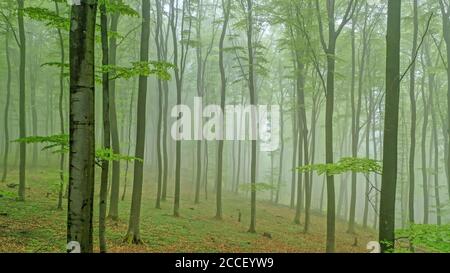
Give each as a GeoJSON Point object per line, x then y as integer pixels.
{"type": "Point", "coordinates": [258, 187]}
{"type": "Point", "coordinates": [431, 237]}
{"type": "Point", "coordinates": [109, 155]}
{"type": "Point", "coordinates": [120, 7]}
{"type": "Point", "coordinates": [62, 142]}
{"type": "Point", "coordinates": [348, 164]}
{"type": "Point", "coordinates": [160, 69]}
{"type": "Point", "coordinates": [58, 65]}
{"type": "Point", "coordinates": [50, 18]}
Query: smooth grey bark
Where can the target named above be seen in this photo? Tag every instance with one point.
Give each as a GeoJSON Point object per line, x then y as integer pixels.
{"type": "Point", "coordinates": [158, 36]}
{"type": "Point", "coordinates": [434, 142]}
{"type": "Point", "coordinates": [133, 234]}
{"type": "Point", "coordinates": [60, 110]}
{"type": "Point", "coordinates": [130, 115]}
{"type": "Point", "coordinates": [412, 98]}
{"type": "Point", "coordinates": [424, 171]}
{"type": "Point", "coordinates": [446, 30]}
{"type": "Point", "coordinates": [198, 51]}
{"type": "Point", "coordinates": [226, 15]}
{"type": "Point", "coordinates": [330, 51]}
{"type": "Point", "coordinates": [294, 153]}
{"type": "Point", "coordinates": [106, 129]}
{"type": "Point", "coordinates": [22, 113]}
{"type": "Point", "coordinates": [252, 93]}
{"type": "Point", "coordinates": [180, 61]}
{"type": "Point", "coordinates": [34, 118]}
{"type": "Point", "coordinates": [7, 105]}
{"type": "Point", "coordinates": [280, 168]}
{"type": "Point", "coordinates": [390, 143]}
{"type": "Point", "coordinates": [113, 212]}
{"type": "Point", "coordinates": [82, 126]}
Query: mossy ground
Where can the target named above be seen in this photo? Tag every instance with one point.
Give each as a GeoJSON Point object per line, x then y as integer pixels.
{"type": "Point", "coordinates": [37, 226]}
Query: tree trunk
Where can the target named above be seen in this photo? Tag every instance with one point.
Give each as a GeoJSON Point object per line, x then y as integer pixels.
{"type": "Point", "coordinates": [412, 98]}
{"type": "Point", "coordinates": [426, 112]}
{"type": "Point", "coordinates": [280, 169]}
{"type": "Point", "coordinates": [113, 212]}
{"type": "Point", "coordinates": [130, 116]}
{"type": "Point", "coordinates": [446, 30]}
{"type": "Point", "coordinates": [82, 126]}
{"type": "Point", "coordinates": [22, 123]}
{"type": "Point", "coordinates": [223, 80]}
{"type": "Point", "coordinates": [355, 134]}
{"type": "Point", "coordinates": [133, 234]}
{"type": "Point", "coordinates": [198, 51]}
{"type": "Point", "coordinates": [7, 103]}
{"type": "Point", "coordinates": [253, 126]}
{"type": "Point", "coordinates": [106, 129]}
{"type": "Point", "coordinates": [158, 35]}
{"type": "Point", "coordinates": [389, 178]}
{"type": "Point", "coordinates": [294, 156]}
{"type": "Point", "coordinates": [61, 112]}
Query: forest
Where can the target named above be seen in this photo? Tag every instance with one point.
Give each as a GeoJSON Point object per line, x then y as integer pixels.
{"type": "Point", "coordinates": [225, 126]}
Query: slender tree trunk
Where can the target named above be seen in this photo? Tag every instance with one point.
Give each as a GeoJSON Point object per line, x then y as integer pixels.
{"type": "Point", "coordinates": [389, 179]}
{"type": "Point", "coordinates": [251, 87]}
{"type": "Point", "coordinates": [180, 62]}
{"type": "Point", "coordinates": [295, 131]}
{"type": "Point", "coordinates": [426, 112]}
{"type": "Point", "coordinates": [355, 134]}
{"type": "Point", "coordinates": [160, 95]}
{"type": "Point", "coordinates": [446, 30]}
{"type": "Point", "coordinates": [113, 212]}
{"type": "Point", "coordinates": [34, 118]}
{"type": "Point", "coordinates": [436, 173]}
{"type": "Point", "coordinates": [133, 234]}
{"type": "Point", "coordinates": [61, 112]}
{"type": "Point", "coordinates": [106, 129]}
{"type": "Point", "coordinates": [434, 142]}
{"type": "Point", "coordinates": [82, 126]}
{"type": "Point", "coordinates": [7, 103]}
{"type": "Point", "coordinates": [198, 51]}
{"type": "Point", "coordinates": [223, 80]}
{"type": "Point", "coordinates": [299, 180]}
{"type": "Point", "coordinates": [280, 169]}
{"type": "Point", "coordinates": [164, 141]}
{"type": "Point", "coordinates": [22, 118]}
{"type": "Point", "coordinates": [130, 115]}
{"type": "Point", "coordinates": [412, 98]}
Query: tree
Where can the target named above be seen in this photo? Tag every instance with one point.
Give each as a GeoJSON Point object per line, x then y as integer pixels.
{"type": "Point", "coordinates": [7, 104]}
{"type": "Point", "coordinates": [248, 9]}
{"type": "Point", "coordinates": [82, 137]}
{"type": "Point", "coordinates": [412, 98]}
{"type": "Point", "coordinates": [425, 170]}
{"type": "Point", "coordinates": [113, 212]}
{"type": "Point", "coordinates": [330, 51]}
{"type": "Point", "coordinates": [445, 10]}
{"type": "Point", "coordinates": [22, 118]}
{"type": "Point", "coordinates": [389, 178]}
{"type": "Point", "coordinates": [133, 234]}
{"type": "Point", "coordinates": [179, 59]}
{"type": "Point", "coordinates": [60, 108]}
{"type": "Point", "coordinates": [158, 37]}
{"type": "Point", "coordinates": [106, 127]}
{"type": "Point", "coordinates": [226, 14]}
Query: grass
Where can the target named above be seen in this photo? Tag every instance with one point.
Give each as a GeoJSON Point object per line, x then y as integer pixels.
{"type": "Point", "coordinates": [37, 226]}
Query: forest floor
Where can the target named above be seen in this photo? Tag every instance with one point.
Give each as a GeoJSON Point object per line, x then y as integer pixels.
{"type": "Point", "coordinates": [37, 226]}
